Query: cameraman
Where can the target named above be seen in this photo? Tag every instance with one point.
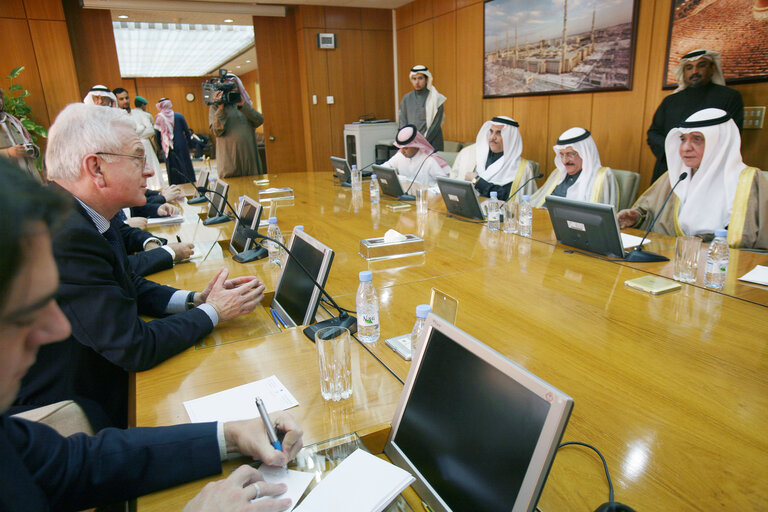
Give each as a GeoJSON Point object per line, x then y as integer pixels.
{"type": "Point", "coordinates": [233, 124]}
{"type": "Point", "coordinates": [16, 143]}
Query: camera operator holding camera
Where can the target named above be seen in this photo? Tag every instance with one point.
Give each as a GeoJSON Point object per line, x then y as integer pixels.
{"type": "Point", "coordinates": [233, 120]}
{"type": "Point", "coordinates": [16, 143]}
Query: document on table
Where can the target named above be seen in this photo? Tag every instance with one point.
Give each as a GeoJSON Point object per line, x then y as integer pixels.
{"type": "Point", "coordinates": [758, 275]}
{"type": "Point", "coordinates": [628, 241]}
{"type": "Point", "coordinates": [238, 403]}
{"type": "Point", "coordinates": [162, 221]}
{"type": "Point", "coordinates": [361, 483]}
{"type": "Point", "coordinates": [297, 482]}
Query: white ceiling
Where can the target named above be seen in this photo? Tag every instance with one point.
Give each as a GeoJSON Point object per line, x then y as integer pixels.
{"type": "Point", "coordinates": [193, 12]}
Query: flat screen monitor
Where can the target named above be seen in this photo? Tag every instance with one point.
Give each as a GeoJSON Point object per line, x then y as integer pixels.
{"type": "Point", "coordinates": [460, 198]}
{"type": "Point", "coordinates": [389, 181]}
{"type": "Point", "coordinates": [218, 200]}
{"type": "Point", "coordinates": [589, 226]}
{"type": "Point", "coordinates": [341, 169]}
{"type": "Point", "coordinates": [477, 431]}
{"type": "Point", "coordinates": [296, 296]}
{"type": "Point", "coordinates": [250, 212]}
{"type": "Point", "coordinates": [202, 180]}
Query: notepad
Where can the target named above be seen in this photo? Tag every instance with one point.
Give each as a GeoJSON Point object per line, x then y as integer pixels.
{"type": "Point", "coordinates": [296, 481]}
{"type": "Point", "coordinates": [361, 483]}
{"type": "Point", "coordinates": [758, 275]}
{"type": "Point", "coordinates": [628, 241]}
{"type": "Point", "coordinates": [162, 221]}
{"type": "Point", "coordinates": [238, 403]}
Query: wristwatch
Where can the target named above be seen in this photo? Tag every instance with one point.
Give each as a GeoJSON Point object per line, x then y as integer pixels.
{"type": "Point", "coordinates": [190, 302]}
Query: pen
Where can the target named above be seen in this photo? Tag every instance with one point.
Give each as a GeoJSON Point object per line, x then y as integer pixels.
{"type": "Point", "coordinates": [278, 319]}
{"type": "Point", "coordinates": [268, 425]}
{"type": "Point", "coordinates": [178, 238]}
{"type": "Point", "coordinates": [426, 507]}
{"type": "Point", "coordinates": [274, 317]}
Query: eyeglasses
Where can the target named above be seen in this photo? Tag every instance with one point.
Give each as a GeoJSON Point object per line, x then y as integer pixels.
{"type": "Point", "coordinates": [569, 155]}
{"type": "Point", "coordinates": [141, 158]}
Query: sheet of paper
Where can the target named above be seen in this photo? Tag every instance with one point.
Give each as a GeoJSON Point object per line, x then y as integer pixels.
{"type": "Point", "coordinates": [629, 241]}
{"type": "Point", "coordinates": [238, 403]}
{"type": "Point", "coordinates": [361, 483]}
{"type": "Point", "coordinates": [758, 275]}
{"type": "Point", "coordinates": [162, 221]}
{"type": "Point", "coordinates": [297, 482]}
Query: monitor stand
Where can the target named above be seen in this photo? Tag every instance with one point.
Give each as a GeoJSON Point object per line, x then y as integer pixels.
{"type": "Point", "coordinates": [251, 255]}
{"type": "Point", "coordinates": [216, 220]}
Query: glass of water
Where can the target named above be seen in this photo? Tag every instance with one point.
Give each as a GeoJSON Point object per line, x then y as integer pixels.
{"type": "Point", "coordinates": [335, 363]}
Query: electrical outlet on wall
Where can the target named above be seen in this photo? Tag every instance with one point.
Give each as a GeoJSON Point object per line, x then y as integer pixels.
{"type": "Point", "coordinates": [753, 118]}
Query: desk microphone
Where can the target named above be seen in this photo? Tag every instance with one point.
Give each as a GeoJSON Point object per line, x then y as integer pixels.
{"type": "Point", "coordinates": [407, 196]}
{"type": "Point", "coordinates": [343, 320]}
{"type": "Point", "coordinates": [638, 254]}
{"type": "Point", "coordinates": [524, 184]}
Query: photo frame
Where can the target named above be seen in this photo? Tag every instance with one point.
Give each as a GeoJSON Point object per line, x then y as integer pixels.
{"type": "Point", "coordinates": [533, 48]}
{"type": "Point", "coordinates": [736, 29]}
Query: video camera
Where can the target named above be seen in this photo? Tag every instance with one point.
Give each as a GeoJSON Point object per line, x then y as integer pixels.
{"type": "Point", "coordinates": [230, 94]}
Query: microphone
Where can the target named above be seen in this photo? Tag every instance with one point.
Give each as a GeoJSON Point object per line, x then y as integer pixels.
{"type": "Point", "coordinates": [194, 200]}
{"type": "Point", "coordinates": [638, 254]}
{"type": "Point", "coordinates": [348, 182]}
{"type": "Point", "coordinates": [343, 320]}
{"type": "Point", "coordinates": [540, 175]}
{"type": "Point", "coordinates": [407, 196]}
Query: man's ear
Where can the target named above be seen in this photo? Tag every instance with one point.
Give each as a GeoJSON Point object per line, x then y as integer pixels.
{"type": "Point", "coordinates": [92, 165]}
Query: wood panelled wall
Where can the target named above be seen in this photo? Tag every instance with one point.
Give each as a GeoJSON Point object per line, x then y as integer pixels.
{"type": "Point", "coordinates": [33, 34]}
{"type": "Point", "coordinates": [447, 36]}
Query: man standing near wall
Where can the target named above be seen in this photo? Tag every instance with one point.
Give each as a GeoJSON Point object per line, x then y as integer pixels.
{"type": "Point", "coordinates": [701, 85]}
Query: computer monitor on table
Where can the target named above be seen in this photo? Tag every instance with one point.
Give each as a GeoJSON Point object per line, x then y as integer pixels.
{"type": "Point", "coordinates": [589, 226]}
{"type": "Point", "coordinates": [296, 296]}
{"type": "Point", "coordinates": [243, 247]}
{"type": "Point", "coordinates": [217, 211]}
{"type": "Point", "coordinates": [202, 182]}
{"type": "Point", "coordinates": [460, 198]}
{"type": "Point", "coordinates": [477, 431]}
{"type": "Point", "coordinates": [341, 170]}
{"type": "Point", "coordinates": [389, 181]}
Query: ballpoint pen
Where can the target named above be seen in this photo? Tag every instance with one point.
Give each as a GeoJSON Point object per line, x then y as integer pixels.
{"type": "Point", "coordinates": [178, 238]}
{"type": "Point", "coordinates": [275, 318]}
{"type": "Point", "coordinates": [273, 440]}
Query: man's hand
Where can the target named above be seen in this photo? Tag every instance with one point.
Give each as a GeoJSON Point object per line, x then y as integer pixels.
{"type": "Point", "coordinates": [18, 151]}
{"type": "Point", "coordinates": [234, 297]}
{"type": "Point", "coordinates": [627, 218]}
{"type": "Point", "coordinates": [234, 494]}
{"type": "Point", "coordinates": [182, 251]}
{"type": "Point", "coordinates": [167, 210]}
{"type": "Point", "coordinates": [469, 176]}
{"type": "Point", "coordinates": [172, 193]}
{"type": "Point", "coordinates": [137, 222]}
{"type": "Point", "coordinates": [250, 438]}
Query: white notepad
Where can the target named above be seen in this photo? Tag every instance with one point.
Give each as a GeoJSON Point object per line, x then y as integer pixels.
{"type": "Point", "coordinates": [239, 403]}
{"type": "Point", "coordinates": [758, 275]}
{"type": "Point", "coordinates": [628, 240]}
{"type": "Point", "coordinates": [296, 481]}
{"type": "Point", "coordinates": [361, 483]}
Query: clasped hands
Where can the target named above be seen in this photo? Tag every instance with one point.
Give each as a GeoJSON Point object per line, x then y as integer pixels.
{"type": "Point", "coordinates": [233, 297]}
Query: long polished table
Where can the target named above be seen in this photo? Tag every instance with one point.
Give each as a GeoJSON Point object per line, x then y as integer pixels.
{"type": "Point", "coordinates": [673, 389]}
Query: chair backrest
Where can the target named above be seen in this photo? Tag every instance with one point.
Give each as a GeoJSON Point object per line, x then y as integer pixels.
{"type": "Point", "coordinates": [448, 156]}
{"type": "Point", "coordinates": [451, 146]}
{"type": "Point", "coordinates": [628, 183]}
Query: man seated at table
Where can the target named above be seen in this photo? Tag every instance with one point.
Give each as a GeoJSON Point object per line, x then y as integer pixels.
{"type": "Point", "coordinates": [417, 160]}
{"type": "Point", "coordinates": [95, 155]}
{"type": "Point", "coordinates": [43, 470]}
{"type": "Point", "coordinates": [494, 162]}
{"type": "Point", "coordinates": [578, 174]}
{"type": "Point", "coordinates": [148, 253]}
{"type": "Point", "coordinates": [720, 191]}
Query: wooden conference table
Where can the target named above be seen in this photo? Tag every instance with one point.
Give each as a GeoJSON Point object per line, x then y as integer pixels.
{"type": "Point", "coordinates": [673, 389]}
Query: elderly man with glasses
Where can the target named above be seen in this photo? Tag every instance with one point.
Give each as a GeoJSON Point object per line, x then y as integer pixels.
{"type": "Point", "coordinates": [95, 155]}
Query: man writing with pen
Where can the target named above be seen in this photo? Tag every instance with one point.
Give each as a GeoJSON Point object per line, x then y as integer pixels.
{"type": "Point", "coordinates": [96, 157]}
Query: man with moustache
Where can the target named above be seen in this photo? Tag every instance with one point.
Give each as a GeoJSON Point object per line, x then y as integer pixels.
{"type": "Point", "coordinates": [701, 85]}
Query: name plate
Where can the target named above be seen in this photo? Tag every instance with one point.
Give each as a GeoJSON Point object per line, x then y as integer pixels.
{"type": "Point", "coordinates": [377, 249]}
{"type": "Point", "coordinates": [269, 194]}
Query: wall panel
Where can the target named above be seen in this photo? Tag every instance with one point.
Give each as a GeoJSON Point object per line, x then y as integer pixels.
{"type": "Point", "coordinates": [345, 77]}
{"type": "Point", "coordinates": [342, 17]}
{"type": "Point", "coordinates": [44, 9]}
{"type": "Point", "coordinates": [378, 64]}
{"type": "Point", "coordinates": [469, 81]}
{"type": "Point", "coordinates": [12, 9]}
{"type": "Point", "coordinates": [444, 67]}
{"type": "Point", "coordinates": [57, 75]}
{"type": "Point", "coordinates": [376, 19]}
{"type": "Point", "coordinates": [404, 16]}
{"type": "Point", "coordinates": [316, 66]}
{"type": "Point", "coordinates": [422, 10]}
{"type": "Point", "coordinates": [531, 112]}
{"type": "Point", "coordinates": [405, 60]}
{"type": "Point", "coordinates": [423, 44]}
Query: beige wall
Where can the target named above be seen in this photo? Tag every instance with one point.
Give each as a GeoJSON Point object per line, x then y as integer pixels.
{"type": "Point", "coordinates": [447, 36]}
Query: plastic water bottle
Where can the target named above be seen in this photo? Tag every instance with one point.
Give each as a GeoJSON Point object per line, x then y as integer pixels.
{"type": "Point", "coordinates": [422, 310]}
{"type": "Point", "coordinates": [525, 216]}
{"type": "Point", "coordinates": [717, 261]}
{"type": "Point", "coordinates": [494, 211]}
{"type": "Point", "coordinates": [273, 249]}
{"type": "Point", "coordinates": [374, 190]}
{"type": "Point", "coordinates": [356, 178]}
{"type": "Point", "coordinates": [367, 306]}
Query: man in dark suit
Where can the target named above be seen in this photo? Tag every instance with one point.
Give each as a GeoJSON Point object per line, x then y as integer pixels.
{"type": "Point", "coordinates": [42, 470]}
{"type": "Point", "coordinates": [95, 155]}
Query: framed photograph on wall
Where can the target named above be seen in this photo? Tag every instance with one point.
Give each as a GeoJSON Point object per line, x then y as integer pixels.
{"type": "Point", "coordinates": [738, 29]}
{"type": "Point", "coordinates": [550, 47]}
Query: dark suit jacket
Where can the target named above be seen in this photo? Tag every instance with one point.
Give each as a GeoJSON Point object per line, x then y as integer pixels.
{"type": "Point", "coordinates": [103, 301]}
{"type": "Point", "coordinates": [154, 200]}
{"type": "Point", "coordinates": [41, 470]}
{"type": "Point", "coordinates": [144, 262]}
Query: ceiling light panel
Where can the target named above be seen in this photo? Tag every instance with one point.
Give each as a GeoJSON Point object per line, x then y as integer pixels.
{"type": "Point", "coordinates": [175, 49]}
